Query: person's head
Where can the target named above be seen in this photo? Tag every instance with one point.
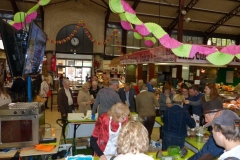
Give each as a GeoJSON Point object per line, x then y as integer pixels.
{"type": "Point", "coordinates": [119, 112]}
{"type": "Point", "coordinates": [94, 84]}
{"type": "Point", "coordinates": [153, 81]}
{"type": "Point", "coordinates": [178, 99]}
{"type": "Point", "coordinates": [210, 89]}
{"type": "Point", "coordinates": [94, 78]}
{"type": "Point", "coordinates": [86, 86]}
{"type": "Point", "coordinates": [133, 138]}
{"type": "Point", "coordinates": [211, 109]}
{"type": "Point", "coordinates": [66, 83]}
{"type": "Point", "coordinates": [185, 91]}
{"type": "Point", "coordinates": [114, 84]}
{"type": "Point", "coordinates": [143, 87]}
{"type": "Point", "coordinates": [193, 90]}
{"type": "Point", "coordinates": [166, 89]}
{"type": "Point", "coordinates": [226, 128]}
{"type": "Point", "coordinates": [127, 87]}
{"type": "Point", "coordinates": [105, 76]}
{"type": "Point", "coordinates": [173, 91]}
{"type": "Point", "coordinates": [140, 82]}
{"type": "Point", "coordinates": [106, 83]}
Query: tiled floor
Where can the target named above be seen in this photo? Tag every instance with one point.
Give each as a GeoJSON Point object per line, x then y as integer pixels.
{"type": "Point", "coordinates": [51, 117]}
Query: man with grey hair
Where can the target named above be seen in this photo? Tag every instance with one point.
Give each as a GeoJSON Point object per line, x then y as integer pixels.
{"type": "Point", "coordinates": [151, 84]}
{"type": "Point", "coordinates": [106, 98]}
{"type": "Point", "coordinates": [65, 99]}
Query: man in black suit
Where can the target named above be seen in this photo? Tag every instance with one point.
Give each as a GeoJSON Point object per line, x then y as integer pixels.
{"type": "Point", "coordinates": [127, 95]}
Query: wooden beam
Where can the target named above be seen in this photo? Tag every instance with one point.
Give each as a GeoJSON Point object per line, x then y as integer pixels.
{"type": "Point", "coordinates": [135, 4]}
{"type": "Point", "coordinates": [223, 20]}
{"type": "Point", "coordinates": [14, 6]}
{"type": "Point", "coordinates": [176, 20]}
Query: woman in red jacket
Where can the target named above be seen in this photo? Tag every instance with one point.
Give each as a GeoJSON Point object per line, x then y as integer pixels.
{"type": "Point", "coordinates": [105, 134]}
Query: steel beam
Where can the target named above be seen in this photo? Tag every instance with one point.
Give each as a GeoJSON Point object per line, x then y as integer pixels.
{"type": "Point", "coordinates": [14, 6]}
{"type": "Point", "coordinates": [175, 21]}
{"type": "Point", "coordinates": [223, 20]}
{"type": "Point", "coordinates": [135, 4]}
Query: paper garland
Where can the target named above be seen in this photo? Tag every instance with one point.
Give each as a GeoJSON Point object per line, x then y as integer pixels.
{"type": "Point", "coordinates": [128, 15]}
{"type": "Point", "coordinates": [20, 18]}
{"type": "Point", "coordinates": [89, 35]}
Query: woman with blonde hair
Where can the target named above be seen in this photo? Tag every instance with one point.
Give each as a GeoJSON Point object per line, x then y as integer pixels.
{"type": "Point", "coordinates": [133, 142]}
{"type": "Point", "coordinates": [105, 134]}
{"type": "Point", "coordinates": [175, 120]}
{"type": "Point", "coordinates": [4, 97]}
{"type": "Point", "coordinates": [84, 99]}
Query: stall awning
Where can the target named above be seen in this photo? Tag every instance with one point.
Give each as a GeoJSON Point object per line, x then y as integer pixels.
{"type": "Point", "coordinates": [115, 62]}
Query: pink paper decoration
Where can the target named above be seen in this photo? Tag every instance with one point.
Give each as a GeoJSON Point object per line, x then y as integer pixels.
{"type": "Point", "coordinates": [148, 43]}
{"type": "Point", "coordinates": [202, 50]}
{"type": "Point", "coordinates": [141, 29]}
{"type": "Point", "coordinates": [232, 49]}
{"type": "Point", "coordinates": [127, 7]}
{"type": "Point", "coordinates": [31, 16]}
{"type": "Point", "coordinates": [169, 42]}
{"type": "Point", "coordinates": [18, 26]}
{"type": "Point", "coordinates": [126, 25]}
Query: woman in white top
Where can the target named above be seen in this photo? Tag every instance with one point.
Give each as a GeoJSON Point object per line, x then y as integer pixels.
{"type": "Point", "coordinates": [44, 91]}
{"type": "Point", "coordinates": [133, 142]}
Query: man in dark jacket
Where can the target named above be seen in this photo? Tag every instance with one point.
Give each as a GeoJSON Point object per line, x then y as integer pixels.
{"type": "Point", "coordinates": [210, 149]}
{"type": "Point", "coordinates": [127, 95]}
{"type": "Point", "coordinates": [65, 99]}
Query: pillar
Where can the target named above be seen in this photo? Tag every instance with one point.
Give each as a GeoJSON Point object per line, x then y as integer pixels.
{"type": "Point", "coordinates": [151, 71]}
{"type": "Point", "coordinates": [139, 72]}
{"type": "Point", "coordinates": [131, 73]}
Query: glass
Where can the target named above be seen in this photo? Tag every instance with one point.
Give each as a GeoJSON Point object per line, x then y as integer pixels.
{"type": "Point", "coordinates": [70, 73]}
{"type": "Point", "coordinates": [78, 63]}
{"type": "Point", "coordinates": [70, 63]}
{"type": "Point", "coordinates": [85, 71]}
{"type": "Point", "coordinates": [78, 73]}
{"type": "Point", "coordinates": [61, 62]}
{"type": "Point", "coordinates": [16, 131]}
{"type": "Point", "coordinates": [87, 63]}
{"type": "Point", "coordinates": [61, 70]}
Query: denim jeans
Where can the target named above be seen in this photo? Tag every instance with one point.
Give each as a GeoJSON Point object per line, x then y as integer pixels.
{"type": "Point", "coordinates": [172, 140]}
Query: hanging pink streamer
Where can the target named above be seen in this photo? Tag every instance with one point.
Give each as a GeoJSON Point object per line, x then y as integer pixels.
{"type": "Point", "coordinates": [169, 42]}
{"type": "Point", "coordinates": [232, 49]}
{"type": "Point", "coordinates": [126, 25]}
{"type": "Point", "coordinates": [31, 16]}
{"type": "Point", "coordinates": [141, 29]}
{"type": "Point", "coordinates": [148, 43]}
{"type": "Point", "coordinates": [202, 50]}
{"type": "Point", "coordinates": [127, 7]}
{"type": "Point", "coordinates": [18, 26]}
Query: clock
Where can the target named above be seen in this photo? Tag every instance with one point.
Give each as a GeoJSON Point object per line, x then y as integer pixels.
{"type": "Point", "coordinates": [74, 41]}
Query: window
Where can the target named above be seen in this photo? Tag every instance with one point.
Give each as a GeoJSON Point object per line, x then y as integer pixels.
{"type": "Point", "coordinates": [87, 63]}
{"type": "Point", "coordinates": [220, 41]}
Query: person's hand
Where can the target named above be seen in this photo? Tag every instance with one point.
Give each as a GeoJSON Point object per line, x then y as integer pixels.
{"type": "Point", "coordinates": [186, 102]}
{"type": "Point", "coordinates": [102, 157]}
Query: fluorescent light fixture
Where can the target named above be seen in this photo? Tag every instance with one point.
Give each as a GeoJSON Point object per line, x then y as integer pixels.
{"type": "Point", "coordinates": [185, 67]}
{"type": "Point", "coordinates": [144, 64]}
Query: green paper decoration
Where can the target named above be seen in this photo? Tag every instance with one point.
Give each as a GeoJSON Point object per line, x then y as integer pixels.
{"type": "Point", "coordinates": [183, 50]}
{"type": "Point", "coordinates": [19, 17]}
{"type": "Point", "coordinates": [116, 6]}
{"type": "Point", "coordinates": [156, 30]}
{"type": "Point", "coordinates": [33, 9]}
{"type": "Point", "coordinates": [218, 58]}
{"type": "Point", "coordinates": [132, 18]}
{"type": "Point", "coordinates": [238, 56]}
{"type": "Point", "coordinates": [43, 2]}
{"type": "Point", "coordinates": [122, 17]}
{"type": "Point", "coordinates": [151, 38]}
{"type": "Point", "coordinates": [137, 35]}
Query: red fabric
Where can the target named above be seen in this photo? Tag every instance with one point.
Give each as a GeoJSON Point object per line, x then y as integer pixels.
{"type": "Point", "coordinates": [53, 63]}
{"type": "Point", "coordinates": [101, 130]}
{"type": "Point", "coordinates": [136, 89]}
